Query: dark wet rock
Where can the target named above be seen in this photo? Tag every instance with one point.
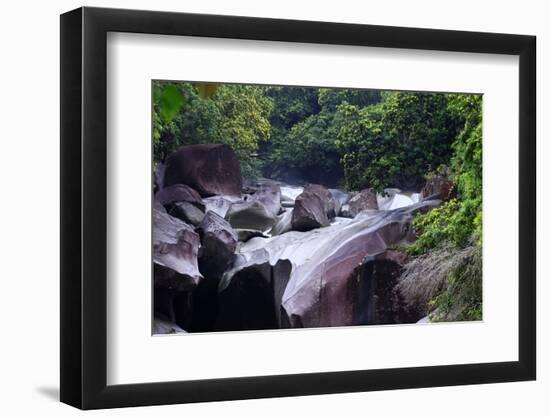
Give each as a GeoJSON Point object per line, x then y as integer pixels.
{"type": "Point", "coordinates": [245, 235]}
{"type": "Point", "coordinates": [326, 196]}
{"type": "Point", "coordinates": [186, 212]}
{"type": "Point", "coordinates": [250, 215]}
{"type": "Point", "coordinates": [365, 200]}
{"type": "Point", "coordinates": [218, 204]}
{"type": "Point", "coordinates": [283, 223]}
{"type": "Point", "coordinates": [219, 242]}
{"type": "Point", "coordinates": [438, 187]}
{"type": "Point", "coordinates": [205, 304]}
{"type": "Point", "coordinates": [174, 305]}
{"type": "Point", "coordinates": [177, 193]}
{"type": "Point", "coordinates": [161, 326]}
{"type": "Point", "coordinates": [211, 169]}
{"type": "Point", "coordinates": [313, 208]}
{"type": "Point", "coordinates": [250, 293]}
{"type": "Point", "coordinates": [175, 252]}
{"type": "Point", "coordinates": [376, 278]}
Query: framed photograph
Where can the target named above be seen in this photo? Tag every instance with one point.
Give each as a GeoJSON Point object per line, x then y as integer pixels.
{"type": "Point", "coordinates": [257, 208]}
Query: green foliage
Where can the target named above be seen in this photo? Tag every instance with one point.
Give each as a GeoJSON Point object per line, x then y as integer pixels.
{"type": "Point", "coordinates": [305, 122]}
{"type": "Point", "coordinates": [292, 105]}
{"type": "Point", "coordinates": [462, 298]}
{"type": "Point", "coordinates": [458, 222]}
{"type": "Point", "coordinates": [307, 150]}
{"type": "Point", "coordinates": [396, 142]}
{"type": "Point", "coordinates": [168, 100]}
{"type": "Point", "coordinates": [236, 115]}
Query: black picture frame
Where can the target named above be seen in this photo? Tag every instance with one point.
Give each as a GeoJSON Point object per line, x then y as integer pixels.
{"type": "Point", "coordinates": [84, 207]}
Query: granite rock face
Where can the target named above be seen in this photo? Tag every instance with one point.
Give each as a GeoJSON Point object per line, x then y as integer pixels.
{"type": "Point", "coordinates": [187, 212]}
{"type": "Point", "coordinates": [219, 242]}
{"type": "Point", "coordinates": [252, 215]}
{"type": "Point", "coordinates": [364, 200]}
{"type": "Point", "coordinates": [250, 293]}
{"type": "Point", "coordinates": [313, 208]}
{"type": "Point", "coordinates": [178, 193]}
{"type": "Point", "coordinates": [175, 253]}
{"type": "Point", "coordinates": [211, 169]}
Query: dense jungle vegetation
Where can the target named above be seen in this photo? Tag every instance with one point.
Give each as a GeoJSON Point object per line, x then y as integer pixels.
{"type": "Point", "coordinates": [339, 137]}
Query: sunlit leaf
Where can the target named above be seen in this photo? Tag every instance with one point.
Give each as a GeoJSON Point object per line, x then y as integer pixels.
{"type": "Point", "coordinates": [207, 90]}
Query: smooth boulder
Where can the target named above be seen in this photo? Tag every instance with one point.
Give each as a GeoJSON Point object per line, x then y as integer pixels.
{"type": "Point", "coordinates": [186, 212]}
{"type": "Point", "coordinates": [218, 204]}
{"type": "Point", "coordinates": [219, 242]}
{"type": "Point", "coordinates": [177, 193]}
{"type": "Point", "coordinates": [364, 200]}
{"type": "Point", "coordinates": [313, 208]}
{"type": "Point", "coordinates": [175, 253]}
{"type": "Point", "coordinates": [250, 293]}
{"type": "Point", "coordinates": [252, 215]}
{"type": "Point", "coordinates": [211, 169]}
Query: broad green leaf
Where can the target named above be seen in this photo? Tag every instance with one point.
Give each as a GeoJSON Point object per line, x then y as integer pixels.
{"type": "Point", "coordinates": [171, 101]}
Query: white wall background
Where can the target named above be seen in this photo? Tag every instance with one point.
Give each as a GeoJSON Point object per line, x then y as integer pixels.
{"type": "Point", "coordinates": [29, 219]}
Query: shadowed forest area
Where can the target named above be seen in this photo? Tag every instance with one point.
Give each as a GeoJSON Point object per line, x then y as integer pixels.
{"type": "Point", "coordinates": [279, 207]}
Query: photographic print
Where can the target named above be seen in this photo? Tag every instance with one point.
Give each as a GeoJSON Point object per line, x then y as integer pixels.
{"type": "Point", "coordinates": [283, 207]}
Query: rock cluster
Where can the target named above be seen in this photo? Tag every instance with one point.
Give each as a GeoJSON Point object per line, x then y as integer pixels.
{"type": "Point", "coordinates": [230, 254]}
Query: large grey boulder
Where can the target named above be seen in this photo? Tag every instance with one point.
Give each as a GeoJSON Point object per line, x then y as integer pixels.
{"type": "Point", "coordinates": [219, 204]}
{"type": "Point", "coordinates": [175, 253]}
{"type": "Point", "coordinates": [186, 212]}
{"type": "Point", "coordinates": [250, 293]}
{"type": "Point", "coordinates": [252, 215]}
{"type": "Point", "coordinates": [364, 200]}
{"type": "Point", "coordinates": [211, 169]}
{"type": "Point", "coordinates": [219, 242]}
{"type": "Point", "coordinates": [178, 193]}
{"type": "Point", "coordinates": [313, 208]}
